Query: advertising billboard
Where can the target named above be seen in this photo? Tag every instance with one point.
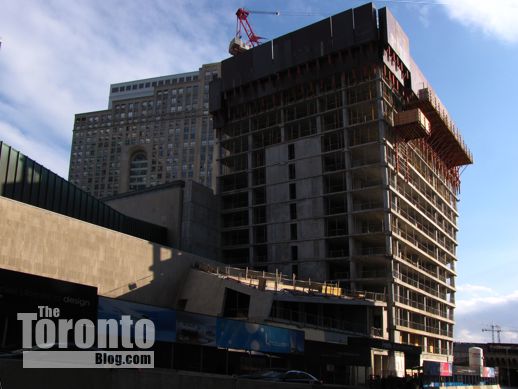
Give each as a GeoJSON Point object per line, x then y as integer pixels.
{"type": "Point", "coordinates": [488, 372]}
{"type": "Point", "coordinates": [432, 368]}
{"type": "Point", "coordinates": [163, 318]}
{"type": "Point", "coordinates": [195, 329]}
{"type": "Point", "coordinates": [242, 335]}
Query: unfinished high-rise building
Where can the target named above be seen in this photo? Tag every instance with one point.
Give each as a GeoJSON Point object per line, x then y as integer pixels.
{"type": "Point", "coordinates": [154, 131]}
{"type": "Point", "coordinates": [338, 162]}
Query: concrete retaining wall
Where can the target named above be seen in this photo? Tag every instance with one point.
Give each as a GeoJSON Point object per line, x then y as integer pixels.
{"type": "Point", "coordinates": [37, 241]}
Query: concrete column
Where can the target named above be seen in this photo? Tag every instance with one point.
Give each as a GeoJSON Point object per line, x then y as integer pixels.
{"type": "Point", "coordinates": [250, 196]}
{"type": "Point", "coordinates": [386, 201]}
{"type": "Point", "coordinates": [350, 222]}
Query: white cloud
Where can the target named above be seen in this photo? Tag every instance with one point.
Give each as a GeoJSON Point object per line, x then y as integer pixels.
{"type": "Point", "coordinates": [498, 18]}
{"type": "Point", "coordinates": [59, 57]}
{"type": "Point", "coordinates": [480, 302]}
{"type": "Point", "coordinates": [469, 288]}
{"type": "Point", "coordinates": [478, 307]}
{"type": "Point", "coordinates": [37, 148]}
{"type": "Point", "coordinates": [423, 12]}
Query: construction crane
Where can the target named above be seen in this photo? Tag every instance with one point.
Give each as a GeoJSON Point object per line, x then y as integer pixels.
{"type": "Point", "coordinates": [496, 329]}
{"type": "Point", "coordinates": [237, 45]}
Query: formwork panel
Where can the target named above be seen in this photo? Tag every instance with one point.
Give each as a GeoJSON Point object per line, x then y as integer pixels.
{"type": "Point", "coordinates": [262, 60]}
{"type": "Point", "coordinates": [365, 25]}
{"type": "Point", "coordinates": [343, 31]}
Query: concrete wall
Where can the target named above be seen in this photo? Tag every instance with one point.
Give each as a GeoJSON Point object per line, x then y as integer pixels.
{"type": "Point", "coordinates": [205, 293]}
{"type": "Point", "coordinates": [200, 221]}
{"type": "Point", "coordinates": [37, 241]}
{"type": "Point", "coordinates": [162, 206]}
{"type": "Point", "coordinates": [187, 209]}
{"type": "Point", "coordinates": [310, 225]}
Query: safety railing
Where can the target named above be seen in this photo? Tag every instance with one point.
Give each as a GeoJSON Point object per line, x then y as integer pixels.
{"type": "Point", "coordinates": [423, 327]}
{"type": "Point", "coordinates": [278, 282]}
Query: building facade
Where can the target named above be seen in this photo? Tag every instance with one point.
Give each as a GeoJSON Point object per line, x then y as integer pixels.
{"type": "Point", "coordinates": [338, 162]}
{"type": "Point", "coordinates": [154, 131]}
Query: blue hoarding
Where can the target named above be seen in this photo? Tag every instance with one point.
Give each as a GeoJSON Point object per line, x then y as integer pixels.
{"type": "Point", "coordinates": [243, 335]}
{"type": "Point", "coordinates": [195, 329]}
{"type": "Point", "coordinates": [163, 318]}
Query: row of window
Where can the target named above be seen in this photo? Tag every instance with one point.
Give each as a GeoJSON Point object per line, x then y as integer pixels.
{"type": "Point", "coordinates": [148, 84]}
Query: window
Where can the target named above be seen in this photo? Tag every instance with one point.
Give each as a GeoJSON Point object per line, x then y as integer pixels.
{"type": "Point", "coordinates": [293, 191]}
{"type": "Point", "coordinates": [294, 253]}
{"type": "Point", "coordinates": [293, 211]}
{"type": "Point", "coordinates": [236, 304]}
{"type": "Point", "coordinates": [293, 231]}
{"type": "Point", "coordinates": [138, 171]}
{"type": "Point", "coordinates": [291, 151]}
{"type": "Point", "coordinates": [291, 170]}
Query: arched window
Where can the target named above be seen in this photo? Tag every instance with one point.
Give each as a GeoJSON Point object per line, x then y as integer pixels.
{"type": "Point", "coordinates": [138, 171]}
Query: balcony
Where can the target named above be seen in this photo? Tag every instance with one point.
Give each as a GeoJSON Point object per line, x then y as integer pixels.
{"type": "Point", "coordinates": [415, 304]}
{"type": "Point", "coordinates": [420, 286]}
{"type": "Point", "coordinates": [425, 328]}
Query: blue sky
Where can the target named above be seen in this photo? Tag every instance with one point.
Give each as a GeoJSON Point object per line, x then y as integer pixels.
{"type": "Point", "coordinates": [59, 57]}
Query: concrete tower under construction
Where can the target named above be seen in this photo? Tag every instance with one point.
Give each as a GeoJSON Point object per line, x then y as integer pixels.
{"type": "Point", "coordinates": [337, 162]}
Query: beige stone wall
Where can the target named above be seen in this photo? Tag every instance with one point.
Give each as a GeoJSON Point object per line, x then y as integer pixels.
{"type": "Point", "coordinates": [162, 206]}
{"type": "Point", "coordinates": [37, 241]}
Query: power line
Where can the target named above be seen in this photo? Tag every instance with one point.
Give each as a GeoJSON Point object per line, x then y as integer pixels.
{"type": "Point", "coordinates": [412, 2]}
{"type": "Point", "coordinates": [302, 13]}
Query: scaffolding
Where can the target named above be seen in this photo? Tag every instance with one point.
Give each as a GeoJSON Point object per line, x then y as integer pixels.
{"type": "Point", "coordinates": [427, 124]}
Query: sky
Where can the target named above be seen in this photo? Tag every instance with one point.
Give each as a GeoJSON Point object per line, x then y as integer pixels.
{"type": "Point", "coordinates": [59, 57]}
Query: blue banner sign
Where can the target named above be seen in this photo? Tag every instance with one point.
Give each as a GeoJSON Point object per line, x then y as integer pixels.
{"type": "Point", "coordinates": [242, 335]}
{"type": "Point", "coordinates": [195, 329]}
{"type": "Point", "coordinates": [163, 318]}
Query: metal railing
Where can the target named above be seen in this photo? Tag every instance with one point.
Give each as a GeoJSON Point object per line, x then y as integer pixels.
{"type": "Point", "coordinates": [278, 282]}
{"type": "Point", "coordinates": [430, 233]}
{"type": "Point", "coordinates": [410, 261]}
{"type": "Point", "coordinates": [419, 285]}
{"type": "Point", "coordinates": [424, 307]}
{"type": "Point", "coordinates": [420, 188]}
{"type": "Point", "coordinates": [410, 238]}
{"type": "Point", "coordinates": [423, 327]}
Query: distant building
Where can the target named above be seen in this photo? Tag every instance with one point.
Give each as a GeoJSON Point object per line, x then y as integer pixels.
{"type": "Point", "coordinates": [503, 356]}
{"type": "Point", "coordinates": [180, 214]}
{"type": "Point", "coordinates": [154, 131]}
{"type": "Point", "coordinates": [338, 162]}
